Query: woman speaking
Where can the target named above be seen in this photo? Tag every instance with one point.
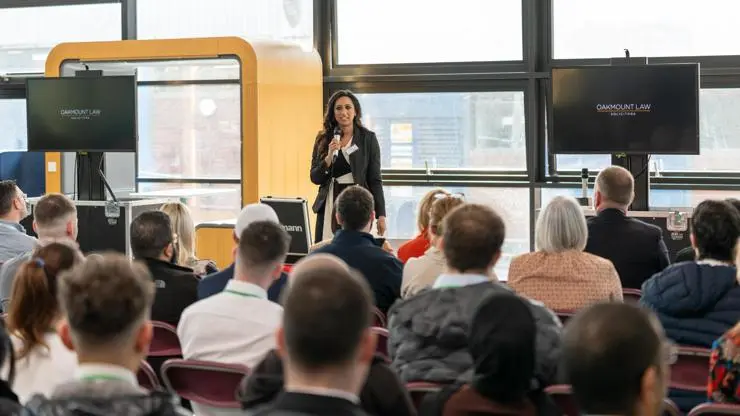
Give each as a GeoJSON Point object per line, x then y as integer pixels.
{"type": "Point", "coordinates": [345, 153]}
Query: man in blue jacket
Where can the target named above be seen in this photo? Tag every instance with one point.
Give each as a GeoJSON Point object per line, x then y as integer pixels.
{"type": "Point", "coordinates": [697, 301]}
{"type": "Point", "coordinates": [216, 282]}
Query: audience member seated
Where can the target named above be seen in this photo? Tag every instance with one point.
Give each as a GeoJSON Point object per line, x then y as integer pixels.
{"type": "Point", "coordinates": [13, 208]}
{"type": "Point", "coordinates": [54, 219]}
{"type": "Point", "coordinates": [382, 394]}
{"type": "Point", "coordinates": [43, 361]}
{"type": "Point", "coordinates": [502, 344]}
{"type": "Point", "coordinates": [182, 223]}
{"type": "Point", "coordinates": [421, 272]}
{"type": "Point", "coordinates": [106, 301]}
{"type": "Point", "coordinates": [688, 253]}
{"type": "Point", "coordinates": [636, 249]}
{"type": "Point", "coordinates": [237, 326]}
{"type": "Point", "coordinates": [153, 242]}
{"type": "Point", "coordinates": [560, 274]}
{"type": "Point", "coordinates": [8, 399]}
{"type": "Point", "coordinates": [616, 358]}
{"type": "Point", "coordinates": [724, 368]}
{"type": "Point", "coordinates": [215, 283]}
{"type": "Point", "coordinates": [357, 247]}
{"type": "Point", "coordinates": [698, 301]}
{"type": "Point", "coordinates": [421, 243]}
{"type": "Point", "coordinates": [326, 343]}
{"type": "Point", "coordinates": [428, 332]}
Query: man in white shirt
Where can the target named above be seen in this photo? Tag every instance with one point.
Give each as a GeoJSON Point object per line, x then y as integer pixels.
{"type": "Point", "coordinates": [237, 326]}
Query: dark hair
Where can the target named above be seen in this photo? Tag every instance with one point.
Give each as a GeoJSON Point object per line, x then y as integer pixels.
{"type": "Point", "coordinates": [51, 208]}
{"type": "Point", "coordinates": [33, 303]}
{"type": "Point", "coordinates": [355, 207]}
{"type": "Point", "coordinates": [606, 350]}
{"type": "Point", "coordinates": [8, 193]}
{"type": "Point", "coordinates": [151, 232]}
{"type": "Point", "coordinates": [473, 235]}
{"type": "Point", "coordinates": [104, 297]}
{"type": "Point", "coordinates": [262, 244]}
{"type": "Point", "coordinates": [326, 311]}
{"type": "Point", "coordinates": [502, 345]}
{"type": "Point", "coordinates": [330, 122]}
{"type": "Point", "coordinates": [716, 228]}
{"type": "Point", "coordinates": [734, 202]}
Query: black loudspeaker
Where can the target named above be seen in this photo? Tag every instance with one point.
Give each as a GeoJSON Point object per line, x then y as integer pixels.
{"type": "Point", "coordinates": [293, 216]}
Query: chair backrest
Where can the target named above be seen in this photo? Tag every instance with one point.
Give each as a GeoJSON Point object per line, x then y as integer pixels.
{"type": "Point", "coordinates": [419, 389]}
{"type": "Point", "coordinates": [382, 345]}
{"type": "Point", "coordinates": [379, 318]}
{"type": "Point", "coordinates": [562, 395]}
{"type": "Point", "coordinates": [631, 295]}
{"type": "Point", "coordinates": [691, 369]}
{"type": "Point", "coordinates": [565, 315]}
{"type": "Point", "coordinates": [164, 341]}
{"type": "Point", "coordinates": [204, 382]}
{"type": "Point", "coordinates": [715, 409]}
{"type": "Point", "coordinates": [147, 378]}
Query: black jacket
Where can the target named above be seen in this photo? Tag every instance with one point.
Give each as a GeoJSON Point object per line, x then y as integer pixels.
{"type": "Point", "coordinates": [296, 404]}
{"type": "Point", "coordinates": [636, 249]}
{"type": "Point", "coordinates": [365, 164]}
{"type": "Point", "coordinates": [177, 288]}
{"type": "Point", "coordinates": [382, 270]}
{"type": "Point", "coordinates": [382, 395]}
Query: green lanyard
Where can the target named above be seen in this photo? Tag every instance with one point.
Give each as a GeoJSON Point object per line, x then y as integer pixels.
{"type": "Point", "coordinates": [246, 295]}
{"type": "Point", "coordinates": [102, 377]}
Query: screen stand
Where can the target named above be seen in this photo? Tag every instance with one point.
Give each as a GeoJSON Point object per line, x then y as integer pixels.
{"type": "Point", "coordinates": [90, 185]}
{"type": "Point", "coordinates": [638, 167]}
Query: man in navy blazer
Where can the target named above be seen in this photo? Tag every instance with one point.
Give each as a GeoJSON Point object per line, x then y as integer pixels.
{"type": "Point", "coordinates": [357, 247]}
{"type": "Point", "coordinates": [216, 282]}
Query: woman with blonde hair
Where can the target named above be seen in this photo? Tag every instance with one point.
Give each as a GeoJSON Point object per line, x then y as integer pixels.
{"type": "Point", "coordinates": [184, 227]}
{"type": "Point", "coordinates": [420, 244]}
{"type": "Point", "coordinates": [43, 361]}
{"type": "Point", "coordinates": [560, 274]}
{"type": "Point", "coordinates": [420, 273]}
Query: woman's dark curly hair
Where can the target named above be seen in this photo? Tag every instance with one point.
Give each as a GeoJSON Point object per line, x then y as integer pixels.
{"type": "Point", "coordinates": [330, 122]}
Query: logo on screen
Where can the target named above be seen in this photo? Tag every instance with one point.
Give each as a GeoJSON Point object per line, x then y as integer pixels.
{"type": "Point", "coordinates": [624, 110]}
{"type": "Point", "coordinates": [80, 113]}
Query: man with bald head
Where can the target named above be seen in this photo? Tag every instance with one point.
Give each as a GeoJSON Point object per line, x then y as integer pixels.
{"type": "Point", "coordinates": [636, 249]}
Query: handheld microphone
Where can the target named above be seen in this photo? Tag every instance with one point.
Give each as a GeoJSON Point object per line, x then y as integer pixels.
{"type": "Point", "coordinates": [337, 136]}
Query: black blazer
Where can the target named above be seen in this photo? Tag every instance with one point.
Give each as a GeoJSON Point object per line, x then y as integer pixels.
{"type": "Point", "coordinates": [177, 288]}
{"type": "Point", "coordinates": [295, 404]}
{"type": "Point", "coordinates": [636, 248]}
{"type": "Point", "coordinates": [365, 164]}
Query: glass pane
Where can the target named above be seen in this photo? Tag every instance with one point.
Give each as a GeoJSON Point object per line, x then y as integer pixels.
{"type": "Point", "coordinates": [659, 198]}
{"type": "Point", "coordinates": [597, 29]}
{"type": "Point", "coordinates": [189, 131]}
{"type": "Point", "coordinates": [482, 130]}
{"type": "Point", "coordinates": [511, 203]}
{"type": "Point", "coordinates": [285, 20]}
{"type": "Point", "coordinates": [27, 34]}
{"type": "Point", "coordinates": [418, 31]}
{"type": "Point", "coordinates": [223, 204]}
{"type": "Point", "coordinates": [178, 70]}
{"type": "Point", "coordinates": [13, 125]}
{"type": "Point", "coordinates": [719, 136]}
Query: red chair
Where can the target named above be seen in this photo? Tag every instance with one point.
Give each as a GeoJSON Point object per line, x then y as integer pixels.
{"type": "Point", "coordinates": [204, 382]}
{"type": "Point", "coordinates": [562, 395]}
{"type": "Point", "coordinates": [147, 378]}
{"type": "Point", "coordinates": [715, 409]}
{"type": "Point", "coordinates": [631, 295]}
{"type": "Point", "coordinates": [165, 342]}
{"type": "Point", "coordinates": [565, 315]}
{"type": "Point", "coordinates": [691, 369]}
{"type": "Point", "coordinates": [382, 345]}
{"type": "Point", "coordinates": [419, 389]}
{"type": "Point", "coordinates": [379, 320]}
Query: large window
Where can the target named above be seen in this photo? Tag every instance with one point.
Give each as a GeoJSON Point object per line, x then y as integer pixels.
{"type": "Point", "coordinates": [27, 34]}
{"type": "Point", "coordinates": [418, 31]}
{"type": "Point", "coordinates": [219, 202]}
{"type": "Point", "coordinates": [597, 29]}
{"type": "Point", "coordinates": [719, 128]}
{"type": "Point", "coordinates": [13, 125]}
{"type": "Point", "coordinates": [285, 20]}
{"type": "Point", "coordinates": [512, 204]}
{"type": "Point", "coordinates": [483, 130]}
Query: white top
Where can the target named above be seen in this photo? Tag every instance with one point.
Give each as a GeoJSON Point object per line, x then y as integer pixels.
{"type": "Point", "coordinates": [421, 272]}
{"type": "Point", "coordinates": [236, 326]}
{"type": "Point", "coordinates": [42, 370]}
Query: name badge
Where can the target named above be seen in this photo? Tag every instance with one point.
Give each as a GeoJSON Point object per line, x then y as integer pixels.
{"type": "Point", "coordinates": [352, 149]}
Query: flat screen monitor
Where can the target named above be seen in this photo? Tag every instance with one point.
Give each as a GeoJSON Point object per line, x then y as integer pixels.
{"type": "Point", "coordinates": [633, 109]}
{"type": "Point", "coordinates": [81, 114]}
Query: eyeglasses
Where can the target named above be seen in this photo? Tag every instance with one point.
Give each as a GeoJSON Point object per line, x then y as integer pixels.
{"type": "Point", "coordinates": [442, 195]}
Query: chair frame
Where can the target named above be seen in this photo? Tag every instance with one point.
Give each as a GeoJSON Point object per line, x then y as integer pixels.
{"type": "Point", "coordinates": [695, 352]}
{"type": "Point", "coordinates": [715, 409]}
{"type": "Point", "coordinates": [170, 352]}
{"type": "Point", "coordinates": [148, 371]}
{"type": "Point", "coordinates": [204, 366]}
